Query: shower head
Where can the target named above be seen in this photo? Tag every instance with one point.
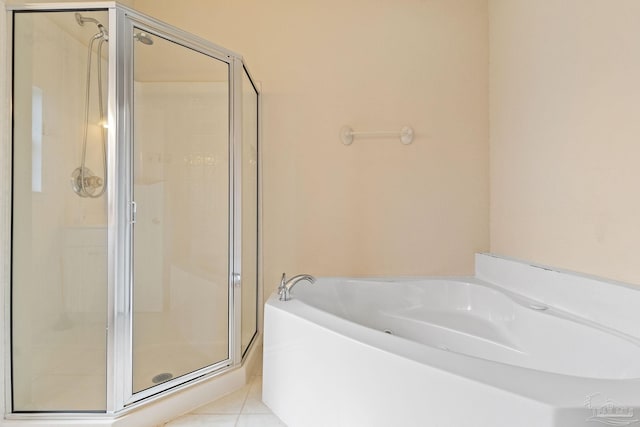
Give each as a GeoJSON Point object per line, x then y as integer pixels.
{"type": "Point", "coordinates": [143, 38]}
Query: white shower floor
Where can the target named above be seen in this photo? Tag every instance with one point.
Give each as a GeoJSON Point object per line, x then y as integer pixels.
{"type": "Point", "coordinates": [63, 368]}
{"type": "Point", "coordinates": [162, 347]}
{"type": "Point", "coordinates": [68, 365]}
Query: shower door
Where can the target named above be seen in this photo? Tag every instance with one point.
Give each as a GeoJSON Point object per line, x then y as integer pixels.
{"type": "Point", "coordinates": [181, 194]}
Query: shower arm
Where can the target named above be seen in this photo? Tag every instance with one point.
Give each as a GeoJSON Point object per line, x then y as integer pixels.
{"type": "Point", "coordinates": [82, 19]}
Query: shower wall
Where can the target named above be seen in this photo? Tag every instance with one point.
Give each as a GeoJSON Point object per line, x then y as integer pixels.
{"type": "Point", "coordinates": [59, 245]}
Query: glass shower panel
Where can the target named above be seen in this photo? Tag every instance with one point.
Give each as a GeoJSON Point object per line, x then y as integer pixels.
{"type": "Point", "coordinates": [181, 190]}
{"type": "Point", "coordinates": [59, 228]}
{"type": "Point", "coordinates": [249, 169]}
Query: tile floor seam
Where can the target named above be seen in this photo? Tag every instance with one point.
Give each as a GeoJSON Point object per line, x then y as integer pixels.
{"type": "Point", "coordinates": [244, 401]}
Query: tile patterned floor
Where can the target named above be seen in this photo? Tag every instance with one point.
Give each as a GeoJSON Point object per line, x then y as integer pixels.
{"type": "Point", "coordinates": [242, 408]}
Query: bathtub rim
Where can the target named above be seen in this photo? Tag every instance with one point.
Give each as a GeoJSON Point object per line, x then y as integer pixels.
{"type": "Point", "coordinates": [607, 302]}
{"type": "Point", "coordinates": [524, 301]}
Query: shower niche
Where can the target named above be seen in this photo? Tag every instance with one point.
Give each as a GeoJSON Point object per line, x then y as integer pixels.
{"type": "Point", "coordinates": [134, 211]}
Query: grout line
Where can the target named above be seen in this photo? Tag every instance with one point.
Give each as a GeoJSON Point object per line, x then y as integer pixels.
{"type": "Point", "coordinates": [244, 401]}
{"type": "Point", "coordinates": [246, 397]}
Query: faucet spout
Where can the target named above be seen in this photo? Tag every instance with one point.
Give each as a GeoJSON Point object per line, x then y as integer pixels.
{"type": "Point", "coordinates": [284, 290]}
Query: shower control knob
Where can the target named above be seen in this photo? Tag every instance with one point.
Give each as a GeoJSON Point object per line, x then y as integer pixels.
{"type": "Point", "coordinates": [84, 182]}
{"type": "Point", "coordinates": [92, 181]}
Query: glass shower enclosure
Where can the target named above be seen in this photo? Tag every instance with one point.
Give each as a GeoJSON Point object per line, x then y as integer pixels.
{"type": "Point", "coordinates": [134, 211]}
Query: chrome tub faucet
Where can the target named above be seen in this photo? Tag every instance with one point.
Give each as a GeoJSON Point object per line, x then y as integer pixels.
{"type": "Point", "coordinates": [285, 285]}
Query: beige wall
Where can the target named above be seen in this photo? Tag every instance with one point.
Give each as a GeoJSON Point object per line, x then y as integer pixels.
{"type": "Point", "coordinates": [376, 207]}
{"type": "Point", "coordinates": [563, 118]}
{"type": "Point", "coordinates": [565, 133]}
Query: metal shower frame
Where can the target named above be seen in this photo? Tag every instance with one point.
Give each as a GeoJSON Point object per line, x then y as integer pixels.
{"type": "Point", "coordinates": [120, 396]}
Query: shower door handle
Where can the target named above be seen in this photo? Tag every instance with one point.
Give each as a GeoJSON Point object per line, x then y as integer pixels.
{"type": "Point", "coordinates": [133, 212]}
{"type": "Point", "coordinates": [236, 279]}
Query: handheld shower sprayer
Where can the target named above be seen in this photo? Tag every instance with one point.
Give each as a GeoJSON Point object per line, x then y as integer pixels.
{"type": "Point", "coordinates": [83, 182]}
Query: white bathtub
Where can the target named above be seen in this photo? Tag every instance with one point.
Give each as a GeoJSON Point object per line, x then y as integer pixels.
{"type": "Point", "coordinates": [517, 345]}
